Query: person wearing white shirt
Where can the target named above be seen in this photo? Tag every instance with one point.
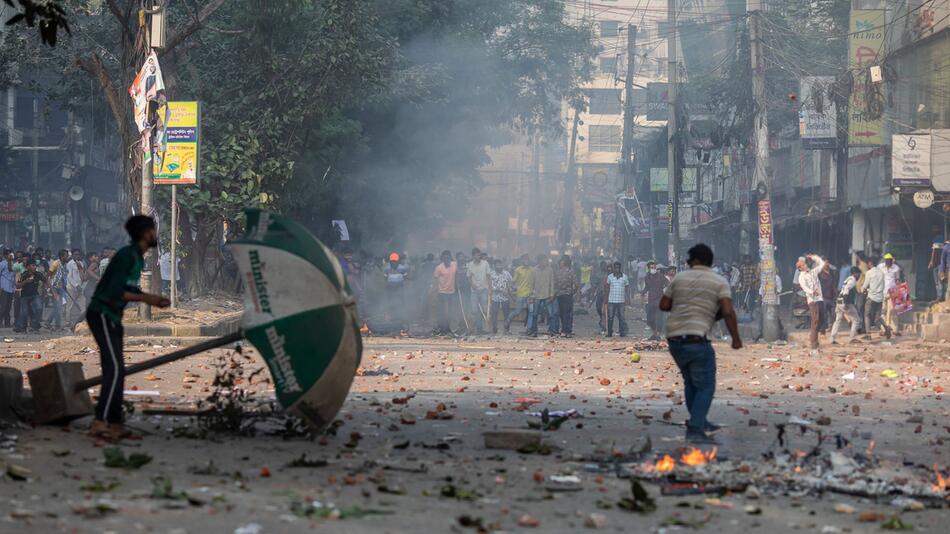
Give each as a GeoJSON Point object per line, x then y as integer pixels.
{"type": "Point", "coordinates": [844, 307]}
{"type": "Point", "coordinates": [874, 287]}
{"type": "Point", "coordinates": [75, 281]}
{"type": "Point", "coordinates": [892, 275]}
{"type": "Point", "coordinates": [808, 281]}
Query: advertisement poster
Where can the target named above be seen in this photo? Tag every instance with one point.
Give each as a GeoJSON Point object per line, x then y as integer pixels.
{"type": "Point", "coordinates": [767, 252]}
{"type": "Point", "coordinates": [148, 105]}
{"type": "Point", "coordinates": [178, 164]}
{"type": "Point", "coordinates": [818, 127]}
{"type": "Point", "coordinates": [865, 48]}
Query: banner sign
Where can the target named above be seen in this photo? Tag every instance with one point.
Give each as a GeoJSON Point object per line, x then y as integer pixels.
{"type": "Point", "coordinates": [910, 160]}
{"type": "Point", "coordinates": [148, 104]}
{"type": "Point", "coordinates": [865, 48]}
{"type": "Point", "coordinates": [767, 252]}
{"type": "Point", "coordinates": [765, 223]}
{"type": "Point", "coordinates": [659, 180]}
{"type": "Point", "coordinates": [178, 163]}
{"type": "Point", "coordinates": [817, 120]}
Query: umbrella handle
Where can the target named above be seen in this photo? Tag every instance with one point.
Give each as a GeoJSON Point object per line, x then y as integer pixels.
{"type": "Point", "coordinates": [167, 358]}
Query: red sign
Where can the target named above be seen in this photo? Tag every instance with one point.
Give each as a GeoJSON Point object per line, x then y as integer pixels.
{"type": "Point", "coordinates": [8, 210]}
{"type": "Point", "coordinates": [765, 223]}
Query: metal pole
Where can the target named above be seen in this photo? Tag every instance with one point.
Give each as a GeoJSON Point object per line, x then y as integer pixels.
{"type": "Point", "coordinates": [771, 328]}
{"type": "Point", "coordinates": [35, 170]}
{"type": "Point", "coordinates": [174, 240]}
{"type": "Point", "coordinates": [536, 189]}
{"type": "Point", "coordinates": [672, 154]}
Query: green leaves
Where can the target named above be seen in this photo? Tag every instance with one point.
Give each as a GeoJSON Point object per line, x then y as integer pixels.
{"type": "Point", "coordinates": [114, 457]}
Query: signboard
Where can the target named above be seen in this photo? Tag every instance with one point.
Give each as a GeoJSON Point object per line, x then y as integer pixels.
{"type": "Point", "coordinates": [688, 183]}
{"type": "Point", "coordinates": [659, 180]}
{"type": "Point", "coordinates": [765, 223]}
{"type": "Point", "coordinates": [179, 163]}
{"type": "Point", "coordinates": [910, 160]}
{"type": "Point", "coordinates": [924, 199]}
{"type": "Point", "coordinates": [684, 213]}
{"type": "Point", "coordinates": [653, 101]}
{"type": "Point", "coordinates": [817, 120]}
{"type": "Point", "coordinates": [8, 211]}
{"type": "Point", "coordinates": [865, 48]}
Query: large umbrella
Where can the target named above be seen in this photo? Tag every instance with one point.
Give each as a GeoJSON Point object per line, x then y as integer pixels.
{"type": "Point", "coordinates": [300, 315]}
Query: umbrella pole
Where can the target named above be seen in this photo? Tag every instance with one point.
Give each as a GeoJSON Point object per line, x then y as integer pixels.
{"type": "Point", "coordinates": [167, 358]}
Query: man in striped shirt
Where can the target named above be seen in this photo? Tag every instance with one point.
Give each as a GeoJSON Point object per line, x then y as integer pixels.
{"type": "Point", "coordinates": [693, 299]}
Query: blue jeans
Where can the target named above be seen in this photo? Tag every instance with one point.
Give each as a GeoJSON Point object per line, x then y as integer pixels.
{"type": "Point", "coordinates": [615, 309]}
{"type": "Point", "coordinates": [550, 306]}
{"type": "Point", "coordinates": [697, 363]}
{"type": "Point", "coordinates": [31, 313]}
{"type": "Point", "coordinates": [520, 304]}
{"type": "Point", "coordinates": [479, 308]}
{"type": "Point", "coordinates": [56, 315]}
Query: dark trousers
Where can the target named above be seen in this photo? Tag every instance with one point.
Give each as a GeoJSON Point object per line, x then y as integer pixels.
{"type": "Point", "coordinates": [859, 300]}
{"type": "Point", "coordinates": [652, 311]}
{"type": "Point", "coordinates": [503, 308]}
{"type": "Point", "coordinates": [616, 310]}
{"type": "Point", "coordinates": [6, 305]}
{"type": "Point", "coordinates": [697, 364]}
{"type": "Point", "coordinates": [565, 308]}
{"type": "Point", "coordinates": [814, 313]}
{"type": "Point", "coordinates": [872, 317]}
{"type": "Point", "coordinates": [30, 313]}
{"type": "Point", "coordinates": [599, 302]}
{"type": "Point", "coordinates": [108, 336]}
{"type": "Point", "coordinates": [444, 312]}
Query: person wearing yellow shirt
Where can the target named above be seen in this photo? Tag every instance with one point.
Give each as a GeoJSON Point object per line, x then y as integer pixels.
{"type": "Point", "coordinates": [523, 283]}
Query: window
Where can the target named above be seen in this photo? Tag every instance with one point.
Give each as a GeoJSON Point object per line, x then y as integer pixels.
{"type": "Point", "coordinates": [604, 139]}
{"type": "Point", "coordinates": [604, 102]}
{"type": "Point", "coordinates": [609, 28]}
{"type": "Point", "coordinates": [608, 65]}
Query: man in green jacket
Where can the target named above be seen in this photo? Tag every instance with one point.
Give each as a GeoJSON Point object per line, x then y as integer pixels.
{"type": "Point", "coordinates": [119, 285]}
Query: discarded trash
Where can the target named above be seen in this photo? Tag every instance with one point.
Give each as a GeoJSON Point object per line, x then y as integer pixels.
{"type": "Point", "coordinates": [250, 528]}
{"type": "Point", "coordinates": [639, 501]}
{"type": "Point", "coordinates": [17, 472]}
{"type": "Point", "coordinates": [595, 521]}
{"type": "Point", "coordinates": [889, 373]}
{"type": "Point", "coordinates": [843, 508]}
{"type": "Point", "coordinates": [848, 376]}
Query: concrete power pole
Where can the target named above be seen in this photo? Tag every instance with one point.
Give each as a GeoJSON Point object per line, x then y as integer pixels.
{"type": "Point", "coordinates": [672, 134]}
{"type": "Point", "coordinates": [762, 178]}
{"type": "Point", "coordinates": [570, 182]}
{"type": "Point", "coordinates": [626, 152]}
{"type": "Point", "coordinates": [151, 260]}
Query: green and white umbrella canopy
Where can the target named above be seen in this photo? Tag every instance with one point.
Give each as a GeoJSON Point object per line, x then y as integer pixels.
{"type": "Point", "coordinates": [299, 314]}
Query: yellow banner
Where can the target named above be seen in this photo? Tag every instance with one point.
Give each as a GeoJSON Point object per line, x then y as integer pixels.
{"type": "Point", "coordinates": [865, 48]}
{"type": "Point", "coordinates": [178, 164]}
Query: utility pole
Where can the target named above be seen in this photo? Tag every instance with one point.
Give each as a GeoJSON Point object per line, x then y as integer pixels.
{"type": "Point", "coordinates": [627, 152]}
{"type": "Point", "coordinates": [35, 170]}
{"type": "Point", "coordinates": [570, 181]}
{"type": "Point", "coordinates": [536, 189]}
{"type": "Point", "coordinates": [148, 273]}
{"type": "Point", "coordinates": [672, 134]}
{"type": "Point", "coordinates": [762, 178]}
